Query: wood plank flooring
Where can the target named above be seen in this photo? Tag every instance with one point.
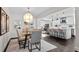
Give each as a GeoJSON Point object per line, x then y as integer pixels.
{"type": "Point", "coordinates": [62, 44]}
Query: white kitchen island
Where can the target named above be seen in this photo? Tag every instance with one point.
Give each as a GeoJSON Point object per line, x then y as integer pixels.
{"type": "Point", "coordinates": [64, 33]}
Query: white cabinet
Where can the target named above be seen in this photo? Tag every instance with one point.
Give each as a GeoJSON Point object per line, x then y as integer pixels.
{"type": "Point", "coordinates": [64, 33]}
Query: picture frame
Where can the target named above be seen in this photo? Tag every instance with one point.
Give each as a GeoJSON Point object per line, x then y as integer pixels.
{"type": "Point", "coordinates": [7, 23]}
{"type": "Point", "coordinates": [4, 22]}
{"type": "Point", "coordinates": [63, 20]}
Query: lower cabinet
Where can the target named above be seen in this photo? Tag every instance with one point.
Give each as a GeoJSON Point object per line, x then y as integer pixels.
{"type": "Point", "coordinates": [64, 34]}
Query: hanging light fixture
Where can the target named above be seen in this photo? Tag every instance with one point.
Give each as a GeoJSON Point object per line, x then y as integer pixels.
{"type": "Point", "coordinates": [28, 17]}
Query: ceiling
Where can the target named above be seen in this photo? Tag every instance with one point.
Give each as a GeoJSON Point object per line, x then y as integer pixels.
{"type": "Point", "coordinates": [18, 12]}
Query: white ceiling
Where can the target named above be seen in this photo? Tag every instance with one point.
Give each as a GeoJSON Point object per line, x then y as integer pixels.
{"type": "Point", "coordinates": [18, 12]}
{"type": "Point", "coordinates": [22, 10]}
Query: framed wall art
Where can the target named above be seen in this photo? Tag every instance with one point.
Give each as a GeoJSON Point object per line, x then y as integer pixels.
{"type": "Point", "coordinates": [7, 23]}
{"type": "Point", "coordinates": [4, 20]}
{"type": "Point", "coordinates": [63, 20]}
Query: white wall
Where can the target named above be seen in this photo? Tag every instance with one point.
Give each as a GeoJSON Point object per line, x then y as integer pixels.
{"type": "Point", "coordinates": [42, 22]}
{"type": "Point", "coordinates": [19, 22]}
{"type": "Point", "coordinates": [69, 13]}
{"type": "Point", "coordinates": [35, 22]}
{"type": "Point", "coordinates": [12, 32]}
{"type": "Point", "coordinates": [77, 28]}
{"type": "Point", "coordinates": [4, 38]}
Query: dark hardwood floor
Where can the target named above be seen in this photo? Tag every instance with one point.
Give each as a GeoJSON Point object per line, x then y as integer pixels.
{"type": "Point", "coordinates": [63, 45]}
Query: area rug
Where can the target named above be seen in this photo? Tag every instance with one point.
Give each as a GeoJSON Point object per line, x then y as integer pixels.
{"type": "Point", "coordinates": [44, 35]}
{"type": "Point", "coordinates": [14, 47]}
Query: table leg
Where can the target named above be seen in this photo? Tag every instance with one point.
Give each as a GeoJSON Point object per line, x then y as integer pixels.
{"type": "Point", "coordinates": [25, 42]}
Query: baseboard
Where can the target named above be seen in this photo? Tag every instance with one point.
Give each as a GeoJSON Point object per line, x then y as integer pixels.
{"type": "Point", "coordinates": [14, 38]}
{"type": "Point", "coordinates": [7, 46]}
{"type": "Point", "coordinates": [8, 43]}
{"type": "Point", "coordinates": [76, 49]}
{"type": "Point", "coordinates": [73, 35]}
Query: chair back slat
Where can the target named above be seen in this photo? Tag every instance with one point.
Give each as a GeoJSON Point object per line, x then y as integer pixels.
{"type": "Point", "coordinates": [19, 34]}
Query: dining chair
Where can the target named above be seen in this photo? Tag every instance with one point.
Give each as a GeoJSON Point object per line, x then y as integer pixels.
{"type": "Point", "coordinates": [21, 38]}
{"type": "Point", "coordinates": [35, 40]}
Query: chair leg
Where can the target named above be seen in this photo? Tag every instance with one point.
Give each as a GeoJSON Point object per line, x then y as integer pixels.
{"type": "Point", "coordinates": [25, 44]}
{"type": "Point", "coordinates": [39, 46]}
{"type": "Point", "coordinates": [28, 45]}
{"type": "Point", "coordinates": [31, 47]}
{"type": "Point", "coordinates": [19, 46]}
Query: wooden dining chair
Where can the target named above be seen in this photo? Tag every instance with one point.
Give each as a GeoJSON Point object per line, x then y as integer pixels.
{"type": "Point", "coordinates": [21, 38]}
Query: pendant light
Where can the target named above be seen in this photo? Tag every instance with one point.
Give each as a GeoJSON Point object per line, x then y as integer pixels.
{"type": "Point", "coordinates": [28, 17]}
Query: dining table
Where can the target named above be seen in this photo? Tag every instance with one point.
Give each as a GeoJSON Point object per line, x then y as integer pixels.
{"type": "Point", "coordinates": [26, 38]}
